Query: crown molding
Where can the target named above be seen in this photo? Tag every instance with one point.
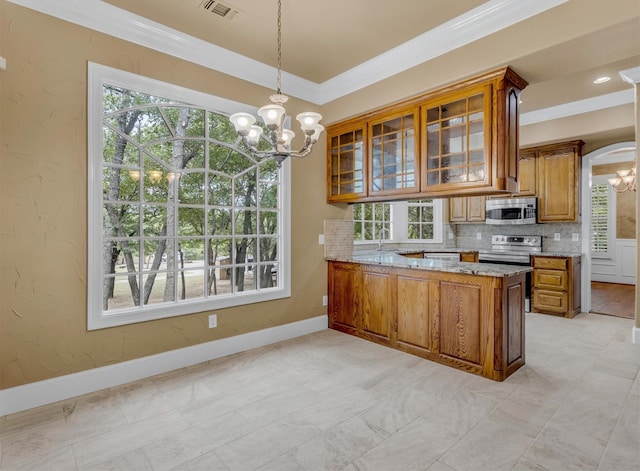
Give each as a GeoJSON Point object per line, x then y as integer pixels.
{"type": "Point", "coordinates": [486, 19]}
{"type": "Point", "coordinates": [482, 21]}
{"type": "Point", "coordinates": [631, 76]}
{"type": "Point", "coordinates": [587, 105]}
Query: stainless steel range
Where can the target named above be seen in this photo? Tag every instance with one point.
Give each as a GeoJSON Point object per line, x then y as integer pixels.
{"type": "Point", "coordinates": [513, 250]}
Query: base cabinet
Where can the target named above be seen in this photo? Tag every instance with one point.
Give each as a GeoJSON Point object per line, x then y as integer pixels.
{"type": "Point", "coordinates": [556, 285]}
{"type": "Point", "coordinates": [469, 322]}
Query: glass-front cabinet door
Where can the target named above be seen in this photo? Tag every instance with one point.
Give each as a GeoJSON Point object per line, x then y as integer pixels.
{"type": "Point", "coordinates": [457, 140]}
{"type": "Point", "coordinates": [347, 166]}
{"type": "Point", "coordinates": [394, 154]}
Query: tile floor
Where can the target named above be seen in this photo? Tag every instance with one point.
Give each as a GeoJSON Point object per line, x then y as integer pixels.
{"type": "Point", "coordinates": [328, 401]}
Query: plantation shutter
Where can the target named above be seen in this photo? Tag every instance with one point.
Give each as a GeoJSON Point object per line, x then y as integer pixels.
{"type": "Point", "coordinates": [599, 219]}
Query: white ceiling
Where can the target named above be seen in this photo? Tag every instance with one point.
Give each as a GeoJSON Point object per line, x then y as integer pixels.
{"type": "Point", "coordinates": [334, 48]}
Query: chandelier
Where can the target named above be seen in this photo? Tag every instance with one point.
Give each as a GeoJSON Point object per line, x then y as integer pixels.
{"type": "Point", "coordinates": [626, 180]}
{"type": "Point", "coordinates": [274, 116]}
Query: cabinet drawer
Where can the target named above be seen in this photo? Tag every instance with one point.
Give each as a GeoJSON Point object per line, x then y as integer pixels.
{"type": "Point", "coordinates": [552, 301]}
{"type": "Point", "coordinates": [554, 263]}
{"type": "Point", "coordinates": [550, 279]}
{"type": "Point", "coordinates": [469, 257]}
{"type": "Point", "coordinates": [414, 255]}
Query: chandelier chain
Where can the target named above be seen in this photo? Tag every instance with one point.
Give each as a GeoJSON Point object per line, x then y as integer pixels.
{"type": "Point", "coordinates": [279, 80]}
{"type": "Point", "coordinates": [274, 117]}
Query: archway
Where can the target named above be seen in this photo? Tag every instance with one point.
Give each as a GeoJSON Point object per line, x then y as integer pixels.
{"type": "Point", "coordinates": [608, 154]}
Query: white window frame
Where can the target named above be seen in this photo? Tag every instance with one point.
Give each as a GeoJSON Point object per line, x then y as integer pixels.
{"type": "Point", "coordinates": [611, 221]}
{"type": "Point", "coordinates": [98, 75]}
{"type": "Point", "coordinates": [374, 221]}
{"type": "Point", "coordinates": [401, 208]}
{"type": "Point", "coordinates": [399, 223]}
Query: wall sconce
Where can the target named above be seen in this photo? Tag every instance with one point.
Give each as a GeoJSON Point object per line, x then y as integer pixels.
{"type": "Point", "coordinates": [626, 180]}
{"type": "Point", "coordinates": [135, 175]}
{"type": "Point", "coordinates": [155, 176]}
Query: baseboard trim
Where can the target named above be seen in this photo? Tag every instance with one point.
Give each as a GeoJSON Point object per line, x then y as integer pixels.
{"type": "Point", "coordinates": [635, 335]}
{"type": "Point", "coordinates": [64, 387]}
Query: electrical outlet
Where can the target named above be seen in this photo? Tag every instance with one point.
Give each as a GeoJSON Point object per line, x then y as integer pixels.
{"type": "Point", "coordinates": [450, 235]}
{"type": "Point", "coordinates": [325, 300]}
{"type": "Point", "coordinates": [479, 236]}
{"type": "Point", "coordinates": [321, 239]}
{"type": "Point", "coordinates": [575, 236]}
{"type": "Point", "coordinates": [556, 236]}
{"type": "Point", "coordinates": [213, 321]}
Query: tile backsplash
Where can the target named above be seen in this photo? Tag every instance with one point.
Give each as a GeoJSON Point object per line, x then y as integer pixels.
{"type": "Point", "coordinates": [467, 235]}
{"type": "Point", "coordinates": [339, 237]}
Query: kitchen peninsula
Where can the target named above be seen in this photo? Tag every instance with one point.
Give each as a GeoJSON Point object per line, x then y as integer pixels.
{"type": "Point", "coordinates": [464, 315]}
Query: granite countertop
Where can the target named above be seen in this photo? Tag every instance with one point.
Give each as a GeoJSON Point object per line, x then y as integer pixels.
{"type": "Point", "coordinates": [559, 254]}
{"type": "Point", "coordinates": [545, 253]}
{"type": "Point", "coordinates": [394, 259]}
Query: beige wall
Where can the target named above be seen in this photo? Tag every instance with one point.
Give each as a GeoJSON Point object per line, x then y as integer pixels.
{"type": "Point", "coordinates": [43, 218]}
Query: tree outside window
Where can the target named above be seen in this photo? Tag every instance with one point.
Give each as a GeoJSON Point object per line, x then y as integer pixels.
{"type": "Point", "coordinates": [188, 216]}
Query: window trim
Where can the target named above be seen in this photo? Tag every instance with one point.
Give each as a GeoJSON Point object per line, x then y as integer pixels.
{"type": "Point", "coordinates": [97, 76]}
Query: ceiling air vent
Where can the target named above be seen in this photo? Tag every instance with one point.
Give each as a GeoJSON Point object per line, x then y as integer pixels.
{"type": "Point", "coordinates": [221, 9]}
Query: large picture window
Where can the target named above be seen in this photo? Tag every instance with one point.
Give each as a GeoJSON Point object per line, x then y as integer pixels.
{"type": "Point", "coordinates": [182, 218]}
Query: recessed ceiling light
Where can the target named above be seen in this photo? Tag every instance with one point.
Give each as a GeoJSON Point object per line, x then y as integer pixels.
{"type": "Point", "coordinates": [603, 79]}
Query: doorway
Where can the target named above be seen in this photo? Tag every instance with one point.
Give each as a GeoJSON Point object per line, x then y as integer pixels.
{"type": "Point", "coordinates": [609, 264]}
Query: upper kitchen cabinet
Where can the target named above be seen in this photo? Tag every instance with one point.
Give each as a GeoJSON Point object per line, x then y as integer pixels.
{"type": "Point", "coordinates": [457, 139]}
{"type": "Point", "coordinates": [461, 140]}
{"type": "Point", "coordinates": [470, 136]}
{"type": "Point", "coordinates": [558, 181]}
{"type": "Point", "coordinates": [347, 163]}
{"type": "Point", "coordinates": [394, 168]}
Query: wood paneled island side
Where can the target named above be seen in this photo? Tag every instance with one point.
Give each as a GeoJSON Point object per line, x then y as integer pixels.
{"type": "Point", "coordinates": [464, 315]}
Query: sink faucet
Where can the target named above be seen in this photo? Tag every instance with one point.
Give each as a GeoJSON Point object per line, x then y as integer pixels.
{"type": "Point", "coordinates": [381, 233]}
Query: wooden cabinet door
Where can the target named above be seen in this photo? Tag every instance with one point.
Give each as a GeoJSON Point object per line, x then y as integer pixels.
{"type": "Point", "coordinates": [394, 154]}
{"type": "Point", "coordinates": [347, 165]}
{"type": "Point", "coordinates": [527, 173]}
{"type": "Point", "coordinates": [558, 184]}
{"type": "Point", "coordinates": [344, 296]}
{"type": "Point", "coordinates": [470, 209]}
{"type": "Point", "coordinates": [476, 208]}
{"type": "Point", "coordinates": [416, 305]}
{"type": "Point", "coordinates": [377, 305]}
{"type": "Point", "coordinates": [456, 140]}
{"type": "Point", "coordinates": [457, 209]}
{"type": "Point", "coordinates": [459, 323]}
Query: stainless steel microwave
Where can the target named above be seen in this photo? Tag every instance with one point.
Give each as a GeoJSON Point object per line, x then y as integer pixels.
{"type": "Point", "coordinates": [511, 211]}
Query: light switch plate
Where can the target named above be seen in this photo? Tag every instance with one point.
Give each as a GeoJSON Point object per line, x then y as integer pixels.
{"type": "Point", "coordinates": [479, 236]}
{"type": "Point", "coordinates": [321, 239]}
{"type": "Point", "coordinates": [575, 236]}
{"type": "Point", "coordinates": [556, 236]}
